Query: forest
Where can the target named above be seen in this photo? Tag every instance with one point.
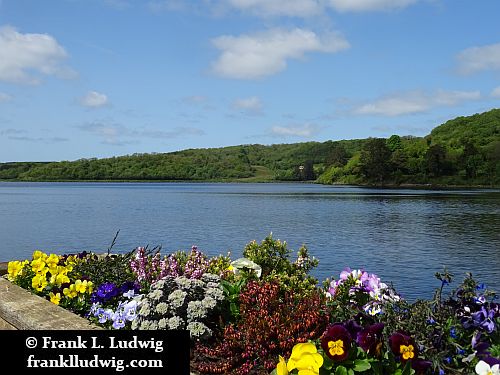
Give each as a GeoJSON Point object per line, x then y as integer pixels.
{"type": "Point", "coordinates": [464, 151]}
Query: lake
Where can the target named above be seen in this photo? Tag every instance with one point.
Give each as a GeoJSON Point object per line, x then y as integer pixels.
{"type": "Point", "coordinates": [404, 236]}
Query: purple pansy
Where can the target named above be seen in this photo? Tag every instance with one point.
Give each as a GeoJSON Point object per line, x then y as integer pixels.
{"type": "Point", "coordinates": [370, 339]}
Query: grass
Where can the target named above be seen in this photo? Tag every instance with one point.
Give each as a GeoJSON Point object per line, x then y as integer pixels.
{"type": "Point", "coordinates": [262, 174]}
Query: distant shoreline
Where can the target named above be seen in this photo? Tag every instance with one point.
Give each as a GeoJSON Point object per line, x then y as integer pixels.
{"type": "Point", "coordinates": [405, 186]}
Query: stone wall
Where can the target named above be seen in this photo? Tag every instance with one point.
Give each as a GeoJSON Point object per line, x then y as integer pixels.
{"type": "Point", "coordinates": [19, 309]}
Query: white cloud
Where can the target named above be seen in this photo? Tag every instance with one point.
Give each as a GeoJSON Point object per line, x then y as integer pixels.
{"type": "Point", "coordinates": [369, 5]}
{"type": "Point", "coordinates": [109, 133]}
{"type": "Point", "coordinates": [476, 59]}
{"type": "Point", "coordinates": [415, 102]}
{"type": "Point", "coordinates": [280, 8]}
{"type": "Point", "coordinates": [293, 8]}
{"type": "Point", "coordinates": [4, 97]}
{"type": "Point", "coordinates": [249, 106]}
{"type": "Point", "coordinates": [302, 131]}
{"type": "Point", "coordinates": [119, 135]}
{"type": "Point", "coordinates": [24, 55]}
{"type": "Point", "coordinates": [94, 99]}
{"type": "Point", "coordinates": [263, 54]}
{"type": "Point", "coordinates": [496, 92]}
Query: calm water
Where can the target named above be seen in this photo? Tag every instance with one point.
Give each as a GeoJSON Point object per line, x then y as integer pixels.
{"type": "Point", "coordinates": [404, 236]}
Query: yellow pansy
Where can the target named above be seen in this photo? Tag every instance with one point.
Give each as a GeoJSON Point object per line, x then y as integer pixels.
{"type": "Point", "coordinates": [52, 260]}
{"type": "Point", "coordinates": [90, 287]}
{"type": "Point", "coordinates": [336, 347]}
{"type": "Point", "coordinates": [281, 367]}
{"type": "Point", "coordinates": [55, 298]}
{"type": "Point", "coordinates": [70, 260]}
{"type": "Point", "coordinates": [70, 292]}
{"type": "Point", "coordinates": [53, 269]}
{"type": "Point", "coordinates": [37, 265]}
{"type": "Point", "coordinates": [39, 282]}
{"type": "Point", "coordinates": [37, 254]}
{"type": "Point", "coordinates": [69, 267]}
{"type": "Point", "coordinates": [306, 359]}
{"type": "Point", "coordinates": [13, 269]}
{"type": "Point", "coordinates": [408, 352]}
{"type": "Point", "coordinates": [59, 279]}
{"type": "Point", "coordinates": [81, 286]}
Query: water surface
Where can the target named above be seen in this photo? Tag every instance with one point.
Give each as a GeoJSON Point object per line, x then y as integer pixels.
{"type": "Point", "coordinates": [404, 236]}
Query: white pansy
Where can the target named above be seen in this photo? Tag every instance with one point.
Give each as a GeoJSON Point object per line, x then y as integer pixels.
{"type": "Point", "coordinates": [243, 263]}
{"type": "Point", "coordinates": [482, 368]}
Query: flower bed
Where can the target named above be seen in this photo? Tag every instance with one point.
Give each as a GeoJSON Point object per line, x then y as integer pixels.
{"type": "Point", "coordinates": [265, 313]}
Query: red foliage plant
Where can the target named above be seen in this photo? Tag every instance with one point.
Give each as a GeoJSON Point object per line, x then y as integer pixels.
{"type": "Point", "coordinates": [272, 321]}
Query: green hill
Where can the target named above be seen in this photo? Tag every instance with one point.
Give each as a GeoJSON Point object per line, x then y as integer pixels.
{"type": "Point", "coordinates": [462, 151]}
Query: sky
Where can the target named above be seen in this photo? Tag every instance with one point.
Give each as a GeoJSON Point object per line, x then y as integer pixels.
{"type": "Point", "coordinates": [100, 78]}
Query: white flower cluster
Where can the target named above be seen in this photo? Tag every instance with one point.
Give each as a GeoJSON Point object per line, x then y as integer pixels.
{"type": "Point", "coordinates": [180, 303]}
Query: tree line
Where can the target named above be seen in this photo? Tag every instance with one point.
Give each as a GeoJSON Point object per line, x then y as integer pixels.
{"type": "Point", "coordinates": [463, 151]}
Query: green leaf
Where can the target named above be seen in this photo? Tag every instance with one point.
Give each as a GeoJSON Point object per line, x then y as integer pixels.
{"type": "Point", "coordinates": [341, 370]}
{"type": "Point", "coordinates": [376, 367]}
{"type": "Point", "coordinates": [407, 369]}
{"type": "Point", "coordinates": [274, 372]}
{"type": "Point", "coordinates": [361, 365]}
{"type": "Point", "coordinates": [350, 371]}
{"type": "Point", "coordinates": [327, 363]}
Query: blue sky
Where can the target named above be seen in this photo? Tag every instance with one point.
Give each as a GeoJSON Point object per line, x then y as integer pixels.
{"type": "Point", "coordinates": [98, 78]}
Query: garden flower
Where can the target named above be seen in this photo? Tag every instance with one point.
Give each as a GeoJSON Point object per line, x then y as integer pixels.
{"type": "Point", "coordinates": [198, 329]}
{"type": "Point", "coordinates": [129, 287]}
{"type": "Point", "coordinates": [52, 260]}
{"type": "Point", "coordinates": [130, 310]}
{"type": "Point", "coordinates": [103, 315]}
{"type": "Point", "coordinates": [129, 294]}
{"type": "Point", "coordinates": [105, 292]}
{"type": "Point", "coordinates": [420, 366]}
{"type": "Point", "coordinates": [370, 339]}
{"type": "Point", "coordinates": [70, 292]}
{"type": "Point", "coordinates": [59, 275]}
{"type": "Point", "coordinates": [402, 346]}
{"type": "Point", "coordinates": [482, 368]}
{"type": "Point", "coordinates": [81, 286]}
{"type": "Point", "coordinates": [281, 367]}
{"type": "Point", "coordinates": [38, 265]}
{"type": "Point", "coordinates": [55, 298]}
{"type": "Point", "coordinates": [305, 358]}
{"type": "Point", "coordinates": [373, 308]}
{"type": "Point", "coordinates": [39, 282]}
{"type": "Point", "coordinates": [13, 269]}
{"type": "Point", "coordinates": [118, 321]}
{"type": "Point", "coordinates": [37, 254]}
{"type": "Point", "coordinates": [94, 308]}
{"type": "Point", "coordinates": [336, 342]}
{"type": "Point", "coordinates": [484, 319]}
{"type": "Point", "coordinates": [242, 263]}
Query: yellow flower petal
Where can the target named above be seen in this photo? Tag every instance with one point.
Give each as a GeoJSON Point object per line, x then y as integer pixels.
{"type": "Point", "coordinates": [308, 372]}
{"type": "Point", "coordinates": [55, 298]}
{"type": "Point", "coordinates": [281, 368]}
{"type": "Point", "coordinates": [309, 361]}
{"type": "Point", "coordinates": [303, 348]}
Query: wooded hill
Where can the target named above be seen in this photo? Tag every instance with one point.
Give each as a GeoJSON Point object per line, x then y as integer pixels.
{"type": "Point", "coordinates": [462, 151]}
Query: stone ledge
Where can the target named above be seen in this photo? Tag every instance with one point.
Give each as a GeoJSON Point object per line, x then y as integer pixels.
{"type": "Point", "coordinates": [19, 309]}
{"type": "Point", "coordinates": [3, 268]}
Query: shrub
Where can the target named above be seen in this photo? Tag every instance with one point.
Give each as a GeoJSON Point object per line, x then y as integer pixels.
{"type": "Point", "coordinates": [272, 320]}
{"type": "Point", "coordinates": [181, 303]}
